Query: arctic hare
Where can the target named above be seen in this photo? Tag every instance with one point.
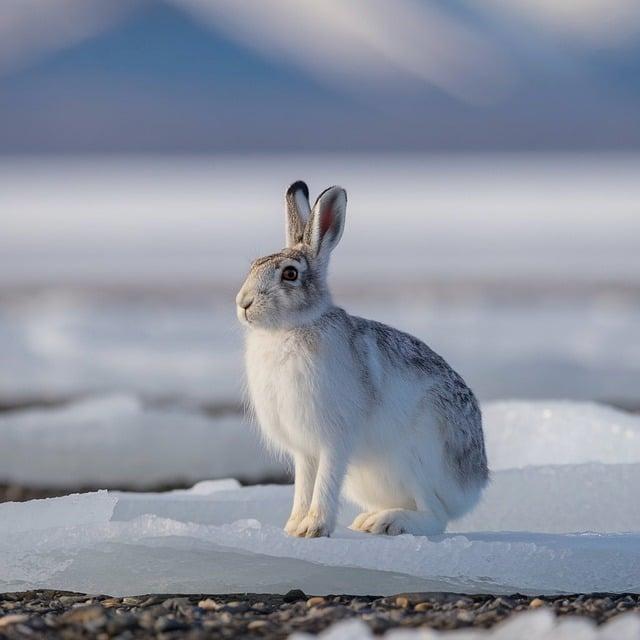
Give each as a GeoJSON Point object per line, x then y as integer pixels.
{"type": "Point", "coordinates": [358, 405]}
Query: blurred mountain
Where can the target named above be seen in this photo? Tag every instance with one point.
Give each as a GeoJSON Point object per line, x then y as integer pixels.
{"type": "Point", "coordinates": [160, 79]}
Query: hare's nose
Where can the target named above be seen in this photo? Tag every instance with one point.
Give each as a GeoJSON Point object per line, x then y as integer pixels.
{"type": "Point", "coordinates": [244, 300]}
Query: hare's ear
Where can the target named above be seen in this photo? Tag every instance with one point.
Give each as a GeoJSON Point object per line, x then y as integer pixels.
{"type": "Point", "coordinates": [325, 227]}
{"type": "Point", "coordinates": [297, 212]}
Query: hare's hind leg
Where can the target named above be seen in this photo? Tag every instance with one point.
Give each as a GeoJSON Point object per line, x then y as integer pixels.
{"type": "Point", "coordinates": [358, 523]}
{"type": "Point", "coordinates": [420, 511]}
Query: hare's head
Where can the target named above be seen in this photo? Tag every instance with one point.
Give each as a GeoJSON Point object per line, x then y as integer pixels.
{"type": "Point", "coordinates": [289, 288]}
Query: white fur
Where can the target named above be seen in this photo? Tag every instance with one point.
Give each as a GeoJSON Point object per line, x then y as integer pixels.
{"type": "Point", "coordinates": [379, 438]}
{"type": "Point", "coordinates": [309, 404]}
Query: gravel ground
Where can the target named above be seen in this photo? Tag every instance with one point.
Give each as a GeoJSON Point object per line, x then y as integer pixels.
{"type": "Point", "coordinates": [60, 614]}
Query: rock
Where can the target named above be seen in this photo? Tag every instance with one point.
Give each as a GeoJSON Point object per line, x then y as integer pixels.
{"type": "Point", "coordinates": [257, 624]}
{"type": "Point", "coordinates": [151, 601]}
{"type": "Point", "coordinates": [69, 600]}
{"type": "Point", "coordinates": [464, 615]}
{"type": "Point", "coordinates": [431, 596]}
{"type": "Point", "coordinates": [208, 604]}
{"type": "Point", "coordinates": [536, 603]}
{"type": "Point", "coordinates": [174, 603]}
{"type": "Point", "coordinates": [111, 603]}
{"type": "Point", "coordinates": [169, 624]}
{"type": "Point", "coordinates": [505, 602]}
{"type": "Point", "coordinates": [315, 601]}
{"type": "Point", "coordinates": [225, 617]}
{"type": "Point", "coordinates": [294, 595]}
{"type": "Point", "coordinates": [132, 601]}
{"type": "Point", "coordinates": [12, 618]}
{"type": "Point", "coordinates": [464, 602]}
{"type": "Point", "coordinates": [147, 619]}
{"type": "Point", "coordinates": [121, 622]}
{"type": "Point", "coordinates": [237, 606]}
{"type": "Point", "coordinates": [423, 606]}
{"type": "Point", "coordinates": [403, 601]}
{"type": "Point", "coordinates": [84, 614]}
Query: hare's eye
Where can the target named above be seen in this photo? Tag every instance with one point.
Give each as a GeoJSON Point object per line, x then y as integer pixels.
{"type": "Point", "coordinates": [290, 274]}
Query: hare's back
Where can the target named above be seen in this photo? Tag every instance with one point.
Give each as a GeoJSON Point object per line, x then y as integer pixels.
{"type": "Point", "coordinates": [416, 373]}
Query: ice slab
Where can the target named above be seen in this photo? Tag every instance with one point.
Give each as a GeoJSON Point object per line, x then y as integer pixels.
{"type": "Point", "coordinates": [226, 539]}
{"type": "Point", "coordinates": [80, 509]}
{"type": "Point", "coordinates": [117, 441]}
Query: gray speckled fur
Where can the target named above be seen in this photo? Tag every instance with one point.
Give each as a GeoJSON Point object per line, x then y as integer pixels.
{"type": "Point", "coordinates": [445, 390]}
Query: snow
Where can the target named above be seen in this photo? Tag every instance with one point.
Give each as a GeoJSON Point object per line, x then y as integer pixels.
{"type": "Point", "coordinates": [119, 274]}
{"type": "Point", "coordinates": [64, 343]}
{"type": "Point", "coordinates": [142, 446]}
{"type": "Point", "coordinates": [124, 308]}
{"type": "Point", "coordinates": [544, 433]}
{"type": "Point", "coordinates": [532, 625]}
{"type": "Point", "coordinates": [117, 441]}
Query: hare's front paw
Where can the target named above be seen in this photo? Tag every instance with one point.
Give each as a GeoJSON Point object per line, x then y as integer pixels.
{"type": "Point", "coordinates": [313, 525]}
{"type": "Point", "coordinates": [293, 523]}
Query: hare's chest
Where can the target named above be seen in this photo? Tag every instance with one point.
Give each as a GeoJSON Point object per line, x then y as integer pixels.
{"type": "Point", "coordinates": [280, 373]}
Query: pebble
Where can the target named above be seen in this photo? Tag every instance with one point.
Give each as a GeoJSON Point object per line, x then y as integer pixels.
{"type": "Point", "coordinates": [170, 624]}
{"type": "Point", "coordinates": [84, 614]}
{"type": "Point", "coordinates": [464, 615]}
{"type": "Point", "coordinates": [12, 618]}
{"type": "Point", "coordinates": [294, 595]}
{"type": "Point", "coordinates": [121, 622]}
{"type": "Point", "coordinates": [69, 600]}
{"type": "Point", "coordinates": [237, 606]}
{"type": "Point", "coordinates": [315, 601]}
{"type": "Point", "coordinates": [174, 603]}
{"type": "Point", "coordinates": [257, 624]}
{"type": "Point", "coordinates": [402, 601]}
{"type": "Point", "coordinates": [152, 600]}
{"type": "Point", "coordinates": [111, 603]}
{"type": "Point", "coordinates": [36, 614]}
{"type": "Point", "coordinates": [131, 601]}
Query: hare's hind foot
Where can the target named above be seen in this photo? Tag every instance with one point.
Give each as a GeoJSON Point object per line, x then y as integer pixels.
{"type": "Point", "coordinates": [394, 522]}
{"type": "Point", "coordinates": [358, 523]}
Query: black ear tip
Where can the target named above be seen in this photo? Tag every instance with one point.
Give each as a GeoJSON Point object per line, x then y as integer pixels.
{"type": "Point", "coordinates": [298, 185]}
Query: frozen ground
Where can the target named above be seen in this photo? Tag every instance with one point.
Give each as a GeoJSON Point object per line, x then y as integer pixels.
{"type": "Point", "coordinates": [561, 518]}
{"type": "Point", "coordinates": [534, 625]}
